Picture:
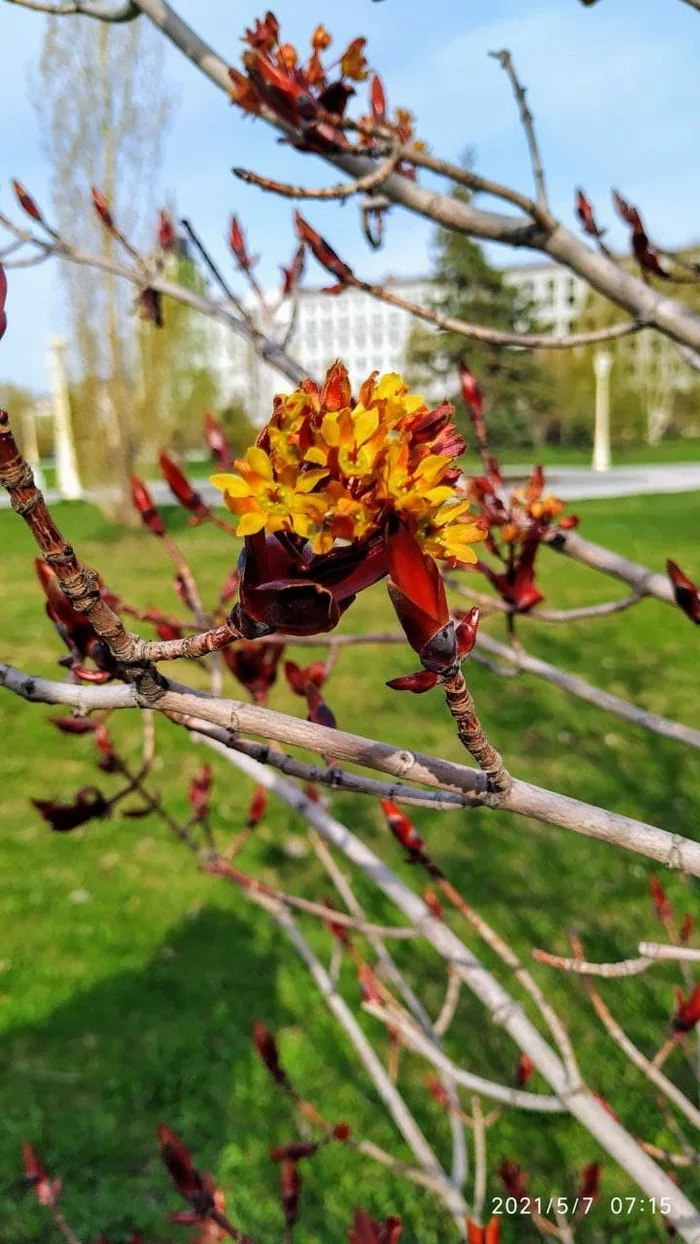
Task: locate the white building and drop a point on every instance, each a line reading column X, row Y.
column 368, row 334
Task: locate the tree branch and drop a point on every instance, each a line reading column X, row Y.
column 672, row 850
column 124, row 12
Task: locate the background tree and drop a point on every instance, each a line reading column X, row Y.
column 469, row 287
column 174, row 380
column 104, row 109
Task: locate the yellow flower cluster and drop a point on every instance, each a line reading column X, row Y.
column 328, row 469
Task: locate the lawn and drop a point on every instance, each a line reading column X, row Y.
column 129, row 981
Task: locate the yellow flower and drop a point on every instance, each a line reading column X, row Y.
column 327, row 470
column 263, row 499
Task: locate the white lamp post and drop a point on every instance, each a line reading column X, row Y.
column 602, row 363
column 67, row 477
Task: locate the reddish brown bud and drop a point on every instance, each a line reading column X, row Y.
column 437, row 1090
column 663, row 907
column 324, row 253
column 107, row 758
column 403, row 830
column 342, row 1131
column 686, row 593
column 584, row 211
column 257, row 807
column 182, row 489
column 687, row 1013
column 266, row 1046
column 422, row 680
column 166, row 231
column 73, row 725
column 101, row 206
column 199, row 791
column 26, row 201
column 589, row 1187
column 3, row 300
column 217, row 441
column 378, row 100
column 686, row 928
column 319, row 712
column 145, row 505
column 46, row 1190
column 524, row 1071
column 432, row 902
column 194, row 1187
column 294, row 1152
column 290, row 1191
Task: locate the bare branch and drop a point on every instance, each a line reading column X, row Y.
column 498, row 337
column 672, row 850
column 228, row 313
column 449, row 1005
column 625, row 967
column 345, row 190
column 644, row 303
column 505, row 60
column 645, row 581
column 677, row 954
column 523, row 661
column 504, row 1010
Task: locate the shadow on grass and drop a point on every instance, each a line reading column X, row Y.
column 88, row 1085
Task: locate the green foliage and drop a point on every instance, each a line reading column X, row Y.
column 518, row 391
column 130, row 980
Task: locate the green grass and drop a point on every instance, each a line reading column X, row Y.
column 130, row 981
column 685, row 449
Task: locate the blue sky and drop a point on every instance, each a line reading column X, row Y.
column 614, row 88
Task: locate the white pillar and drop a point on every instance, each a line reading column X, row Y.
column 602, row 363
column 30, row 447
column 67, row 477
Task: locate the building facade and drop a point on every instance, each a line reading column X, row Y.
column 369, row 335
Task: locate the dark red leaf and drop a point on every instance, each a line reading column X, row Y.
column 89, row 805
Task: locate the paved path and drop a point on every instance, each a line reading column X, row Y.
column 569, row 483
